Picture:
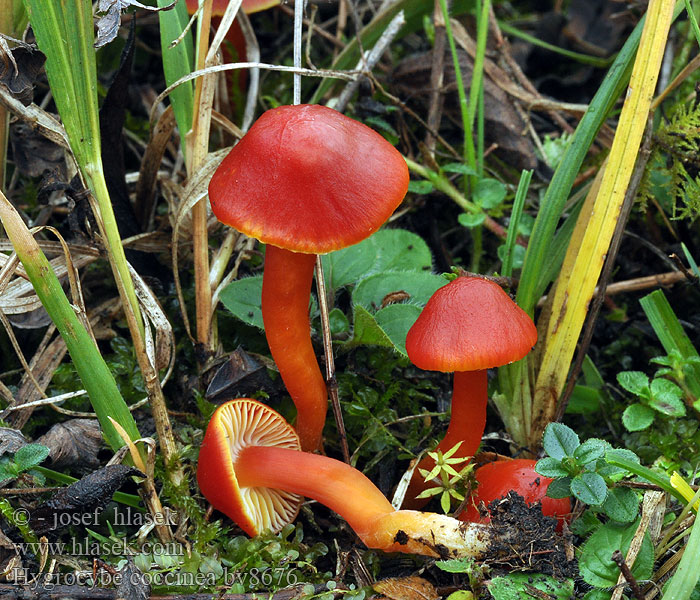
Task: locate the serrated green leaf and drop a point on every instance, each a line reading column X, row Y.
column 243, row 298
column 637, row 417
column 559, row 488
column 621, row 504
column 30, row 456
column 592, row 449
column 589, row 488
column 666, row 398
column 455, row 565
column 634, row 382
column 551, row 467
column 514, row 586
column 560, row 441
column 596, row 566
column 395, row 320
column 366, row 331
column 419, row 286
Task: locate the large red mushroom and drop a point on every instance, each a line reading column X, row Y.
column 468, row 326
column 249, row 468
column 305, row 180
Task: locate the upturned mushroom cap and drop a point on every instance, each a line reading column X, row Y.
column 469, row 325
column 233, row 427
column 309, row 179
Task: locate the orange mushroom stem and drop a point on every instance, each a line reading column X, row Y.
column 285, row 309
column 250, row 469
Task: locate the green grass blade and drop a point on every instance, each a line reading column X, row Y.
column 671, row 334
column 64, row 33
column 684, row 580
column 515, row 214
column 92, row 369
column 178, row 61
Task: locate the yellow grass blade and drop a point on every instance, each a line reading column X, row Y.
column 584, row 261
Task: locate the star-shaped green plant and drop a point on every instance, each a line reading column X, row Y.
column 449, row 482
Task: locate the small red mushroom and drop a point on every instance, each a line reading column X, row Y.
column 249, row 467
column 494, row 480
column 305, row 180
column 467, row 326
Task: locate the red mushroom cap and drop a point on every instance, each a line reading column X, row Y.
column 469, row 325
column 233, row 427
column 496, row 479
column 309, row 179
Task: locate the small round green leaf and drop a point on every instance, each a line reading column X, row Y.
column 560, row 441
column 420, row 187
column 489, row 193
column 592, row 449
column 470, row 220
column 635, row 382
column 666, row 398
column 621, row 504
column 589, row 488
column 551, row 467
column 560, row 488
column 30, row 456
column 637, row 417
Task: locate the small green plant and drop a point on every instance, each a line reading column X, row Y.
column 450, row 483
column 658, row 396
column 582, row 470
column 24, row 461
column 679, row 368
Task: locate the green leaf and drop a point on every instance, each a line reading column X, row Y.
column 395, row 320
column 589, row 488
column 401, row 250
column 420, row 187
column 371, row 291
column 551, row 467
column 666, row 398
column 591, row 450
column 455, row 565
column 560, row 441
column 243, row 298
column 388, row 249
column 366, row 330
column 489, row 193
column 585, row 400
column 621, row 504
column 559, row 488
column 634, row 382
column 338, row 322
column 461, row 168
column 30, row 456
column 517, row 586
column 470, row 220
column 595, row 564
column 637, row 417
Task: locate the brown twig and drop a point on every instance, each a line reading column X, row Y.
column 627, row 574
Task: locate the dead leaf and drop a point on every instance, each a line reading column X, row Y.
column 407, row 588
column 11, row 440
column 75, row 442
column 19, row 70
column 503, row 125
column 240, row 376
column 80, row 499
column 109, row 17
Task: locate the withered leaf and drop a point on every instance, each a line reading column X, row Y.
column 75, row 442
column 407, row 588
column 503, row 125
column 34, row 153
column 11, row 440
column 133, row 585
column 19, row 70
column 240, row 375
column 87, row 495
column 109, row 13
